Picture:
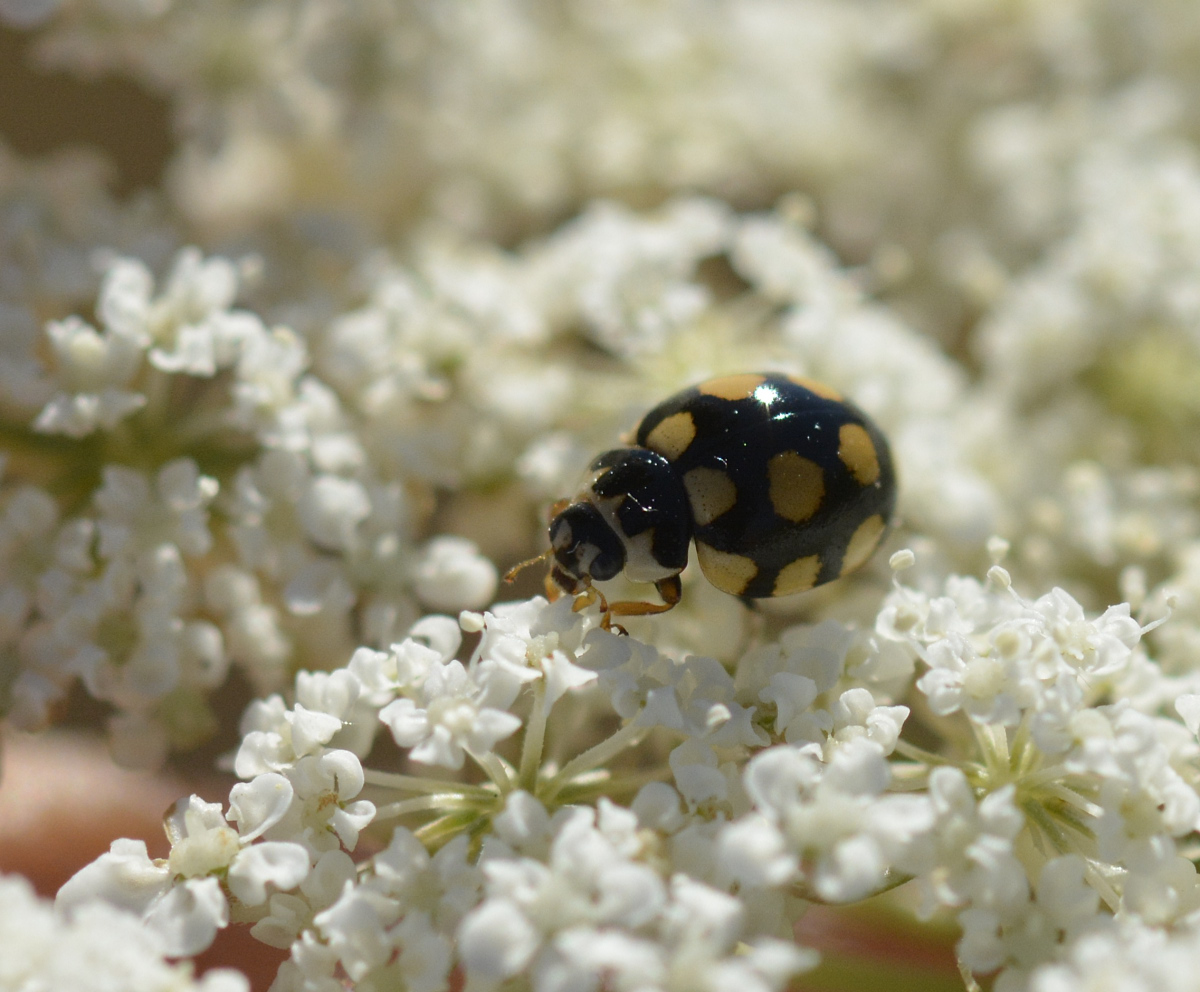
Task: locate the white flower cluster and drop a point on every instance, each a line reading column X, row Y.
column 568, row 898
column 99, row 946
column 572, row 901
column 260, row 496
column 789, row 780
column 1125, row 956
column 524, row 107
column 172, row 574
column 1090, row 785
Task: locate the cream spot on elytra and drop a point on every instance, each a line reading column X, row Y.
column 672, row 435
column 796, row 486
column 711, row 493
column 729, row 573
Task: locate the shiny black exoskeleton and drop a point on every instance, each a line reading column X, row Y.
column 782, row 484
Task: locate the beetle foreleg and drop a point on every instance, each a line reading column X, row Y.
column 669, row 588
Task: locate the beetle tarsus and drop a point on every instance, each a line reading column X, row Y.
column 670, row 589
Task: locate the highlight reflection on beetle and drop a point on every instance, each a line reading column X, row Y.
column 782, row 483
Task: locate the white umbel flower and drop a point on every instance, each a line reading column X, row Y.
column 451, row 720
column 93, row 945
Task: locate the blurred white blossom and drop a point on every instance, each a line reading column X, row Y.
column 96, row 945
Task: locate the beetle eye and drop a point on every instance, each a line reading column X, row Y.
column 604, row 565
column 585, row 546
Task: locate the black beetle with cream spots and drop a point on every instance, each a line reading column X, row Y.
column 782, row 484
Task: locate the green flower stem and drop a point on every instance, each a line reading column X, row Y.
column 1023, row 756
column 589, row 790
column 628, row 736
column 1099, row 881
column 983, row 741
column 1038, row 815
column 1070, row 817
column 446, row 801
column 499, row 771
column 1043, row 777
column 998, row 753
column 436, row 832
column 1073, row 798
column 535, row 739
column 920, row 755
column 414, row 783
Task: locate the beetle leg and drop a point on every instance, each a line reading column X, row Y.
column 669, row 588
column 587, row 598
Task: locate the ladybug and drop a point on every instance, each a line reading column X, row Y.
column 782, row 483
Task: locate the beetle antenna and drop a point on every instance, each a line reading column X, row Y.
column 511, row 574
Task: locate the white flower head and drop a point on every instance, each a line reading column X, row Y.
column 447, row 718
column 452, row 575
column 95, row 944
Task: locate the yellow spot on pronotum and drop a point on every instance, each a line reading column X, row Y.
column 729, row 573
column 732, row 387
column 796, row 486
column 711, row 492
column 822, row 390
column 672, row 435
column 857, row 452
column 799, row 576
column 862, row 543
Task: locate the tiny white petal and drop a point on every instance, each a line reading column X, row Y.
column 279, row 863
column 495, row 941
column 311, row 730
column 408, row 723
column 258, row 805
column 1188, row 707
column 752, row 852
column 124, row 877
column 189, row 916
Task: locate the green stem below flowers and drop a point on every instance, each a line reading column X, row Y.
column 1073, row 799
column 1098, row 881
column 1039, row 817
column 628, row 736
column 535, row 739
column 920, row 755
column 498, row 770
column 435, row 833
column 421, row 804
column 415, row 783
column 1023, row 756
column 589, row 789
column 1043, row 777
